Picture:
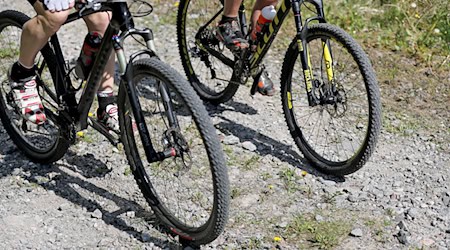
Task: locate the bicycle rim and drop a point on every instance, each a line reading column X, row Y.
column 338, row 138
column 38, row 141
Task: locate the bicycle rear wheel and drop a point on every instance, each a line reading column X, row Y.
column 41, row 143
column 207, row 63
column 189, row 192
column 336, row 138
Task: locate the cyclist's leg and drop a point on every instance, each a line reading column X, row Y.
column 35, row 35
column 98, row 22
column 107, row 111
column 231, row 8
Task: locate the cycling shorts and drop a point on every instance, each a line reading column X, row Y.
column 32, row 2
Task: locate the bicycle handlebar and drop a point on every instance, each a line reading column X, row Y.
column 87, row 7
column 90, row 4
column 94, row 4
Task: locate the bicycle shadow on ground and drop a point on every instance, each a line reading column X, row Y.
column 87, row 165
column 230, row 105
column 61, row 182
column 268, row 146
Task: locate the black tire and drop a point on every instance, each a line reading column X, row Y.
column 352, row 125
column 46, row 143
column 162, row 183
column 191, row 16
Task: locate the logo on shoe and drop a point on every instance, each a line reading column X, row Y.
column 112, row 110
column 30, row 84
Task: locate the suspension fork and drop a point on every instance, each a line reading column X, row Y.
column 304, row 53
column 327, row 54
column 167, row 102
column 126, row 71
column 326, row 48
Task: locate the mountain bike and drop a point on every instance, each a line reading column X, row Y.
column 329, row 90
column 169, row 140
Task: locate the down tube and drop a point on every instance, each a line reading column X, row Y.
column 270, row 34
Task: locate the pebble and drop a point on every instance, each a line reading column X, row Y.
column 230, row 140
column 357, row 232
column 403, row 237
column 146, row 237
column 130, row 214
column 319, row 218
column 249, row 146
column 327, row 182
column 97, row 214
column 413, row 213
column 428, row 242
column 403, row 226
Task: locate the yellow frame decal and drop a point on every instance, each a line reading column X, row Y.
column 328, row 61
column 289, row 100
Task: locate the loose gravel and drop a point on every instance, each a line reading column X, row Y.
column 399, row 200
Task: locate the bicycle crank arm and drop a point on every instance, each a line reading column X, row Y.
column 225, row 60
column 104, row 131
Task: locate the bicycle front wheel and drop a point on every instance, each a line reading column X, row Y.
column 207, row 63
column 41, row 143
column 336, row 137
column 189, row 192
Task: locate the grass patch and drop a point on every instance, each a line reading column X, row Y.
column 322, row 234
column 8, row 53
column 330, row 198
column 251, row 162
column 254, row 243
column 236, row 192
column 380, row 229
column 289, row 178
column 401, row 123
column 127, row 171
column 419, row 28
column 242, row 161
column 85, row 137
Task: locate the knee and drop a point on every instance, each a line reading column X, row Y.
column 51, row 22
column 98, row 22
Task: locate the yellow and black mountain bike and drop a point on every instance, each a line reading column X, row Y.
column 329, row 90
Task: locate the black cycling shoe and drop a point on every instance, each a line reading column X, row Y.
column 230, row 34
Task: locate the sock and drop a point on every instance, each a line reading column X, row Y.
column 227, row 19
column 104, row 99
column 20, row 72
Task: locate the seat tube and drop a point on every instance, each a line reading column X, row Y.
column 243, row 19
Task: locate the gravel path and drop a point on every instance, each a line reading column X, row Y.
column 399, row 200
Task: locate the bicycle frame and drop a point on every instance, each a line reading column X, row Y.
column 77, row 113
